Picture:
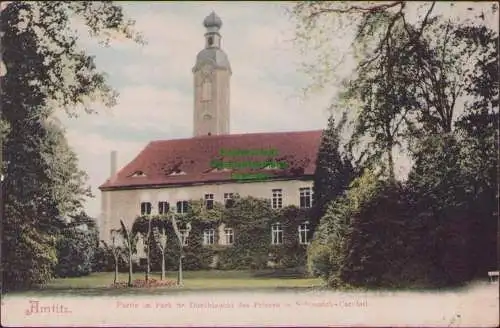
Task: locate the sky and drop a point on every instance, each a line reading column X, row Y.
column 155, row 81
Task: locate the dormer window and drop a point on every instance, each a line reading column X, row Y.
column 178, row 172
column 137, row 174
column 219, row 170
column 275, row 165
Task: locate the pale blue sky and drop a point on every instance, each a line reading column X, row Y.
column 155, row 80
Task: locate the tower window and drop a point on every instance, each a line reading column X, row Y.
column 210, row 41
column 206, row 91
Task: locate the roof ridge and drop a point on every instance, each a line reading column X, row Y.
column 237, row 135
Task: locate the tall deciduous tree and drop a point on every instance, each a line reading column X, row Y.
column 432, row 83
column 46, row 71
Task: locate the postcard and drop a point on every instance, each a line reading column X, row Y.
column 249, row 164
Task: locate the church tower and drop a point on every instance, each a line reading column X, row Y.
column 211, row 74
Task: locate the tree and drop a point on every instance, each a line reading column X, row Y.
column 383, row 90
column 327, row 251
column 46, row 70
column 441, row 203
column 129, row 239
column 374, row 248
column 329, row 248
column 352, row 22
column 160, row 235
column 76, row 246
column 181, row 236
column 333, row 171
column 421, row 66
column 114, row 250
column 76, row 249
column 148, row 253
column 149, row 227
column 419, row 81
column 479, row 127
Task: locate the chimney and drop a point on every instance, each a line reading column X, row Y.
column 113, row 163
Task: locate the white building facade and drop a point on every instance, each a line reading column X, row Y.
column 169, row 173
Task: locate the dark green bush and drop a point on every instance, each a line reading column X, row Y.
column 76, row 249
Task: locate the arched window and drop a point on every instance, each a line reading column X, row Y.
column 206, row 91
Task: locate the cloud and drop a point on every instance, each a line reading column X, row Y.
column 94, row 157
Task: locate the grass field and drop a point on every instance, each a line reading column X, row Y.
column 99, row 283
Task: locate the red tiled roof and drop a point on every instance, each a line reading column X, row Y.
column 193, row 156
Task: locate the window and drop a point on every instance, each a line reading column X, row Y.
column 228, row 199
column 276, row 234
column 229, row 236
column 305, row 197
column 115, row 237
column 145, row 208
column 303, row 233
column 210, row 41
column 184, row 235
column 182, row 206
column 277, row 199
column 178, row 172
column 206, row 90
column 163, row 207
column 209, row 201
column 209, row 237
column 138, row 174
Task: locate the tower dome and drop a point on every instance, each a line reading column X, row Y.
column 212, row 21
column 212, row 54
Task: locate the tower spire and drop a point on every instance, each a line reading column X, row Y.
column 211, row 73
column 212, row 23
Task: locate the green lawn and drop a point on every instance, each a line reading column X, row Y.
column 99, row 283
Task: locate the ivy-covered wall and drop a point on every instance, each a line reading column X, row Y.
column 251, row 220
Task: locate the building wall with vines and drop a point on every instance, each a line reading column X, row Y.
column 251, row 220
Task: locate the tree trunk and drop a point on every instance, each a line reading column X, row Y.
column 148, row 265
column 179, row 275
column 390, row 159
column 130, row 268
column 162, row 265
column 116, row 270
